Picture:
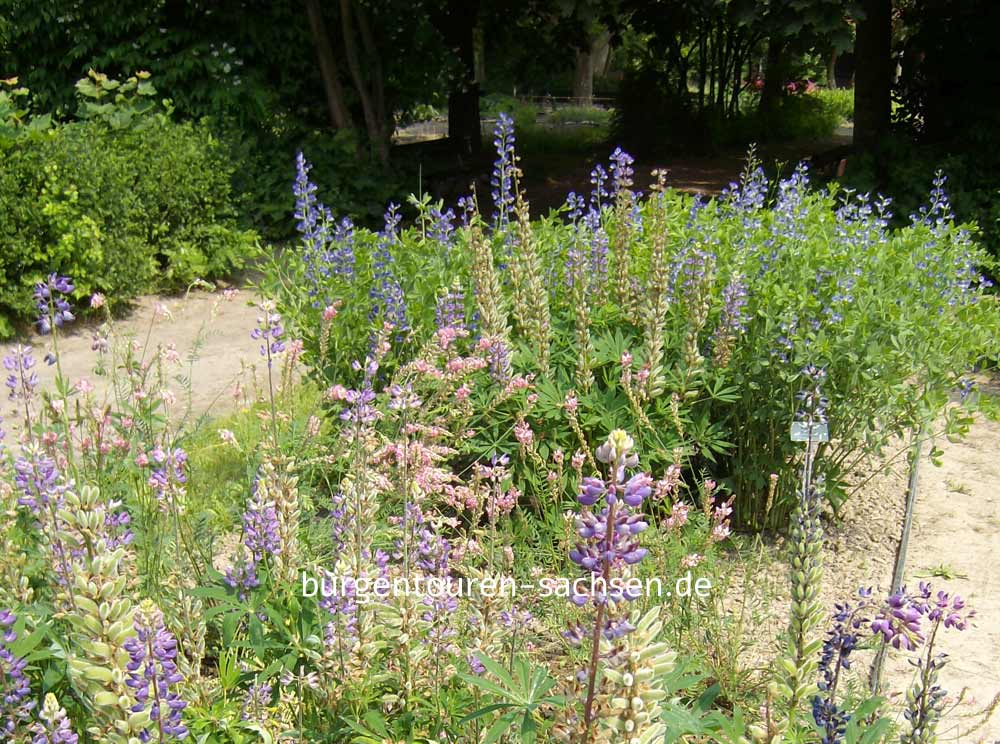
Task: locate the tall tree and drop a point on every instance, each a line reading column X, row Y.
column 340, row 117
column 873, row 76
column 456, row 21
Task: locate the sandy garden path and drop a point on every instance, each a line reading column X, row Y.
column 210, row 331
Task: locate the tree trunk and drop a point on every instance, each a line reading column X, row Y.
column 479, row 50
column 831, row 71
column 375, row 127
column 583, row 77
column 873, row 76
column 340, row 118
column 377, row 78
column 600, row 50
column 457, row 20
column 774, row 77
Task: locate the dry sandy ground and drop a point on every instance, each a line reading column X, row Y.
column 211, row 332
column 956, row 530
column 954, row 543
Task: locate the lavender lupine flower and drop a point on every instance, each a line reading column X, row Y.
column 576, row 204
column 598, row 242
column 53, row 726
column 600, row 193
column 22, row 380
column 467, row 206
column 39, row 481
column 53, row 309
column 610, row 535
column 732, row 320
column 16, row 703
column 849, row 623
column 504, row 172
column 117, row 531
column 621, row 172
column 862, row 222
column 498, row 355
column 343, row 608
column 432, row 552
column 966, row 387
column 449, row 311
column 269, row 332
column 309, row 222
column 938, row 211
column 788, row 224
column 386, row 292
column 242, row 577
column 360, row 408
column 442, row 229
column 477, row 666
column 625, row 198
column 813, row 403
column 340, row 259
column 153, row 675
column 324, row 254
column 168, row 477
column 261, row 531
column 256, row 699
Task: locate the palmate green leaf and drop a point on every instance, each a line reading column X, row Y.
column 500, row 673
column 486, row 685
column 498, row 729
column 485, row 711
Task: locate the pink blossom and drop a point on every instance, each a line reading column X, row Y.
column 336, row 392
column 571, row 403
column 720, row 532
column 96, row 301
column 228, row 437
column 84, row 386
column 142, row 460
column 692, row 560
column 577, row 460
column 523, row 433
column 463, row 393
column 678, row 516
column 330, row 311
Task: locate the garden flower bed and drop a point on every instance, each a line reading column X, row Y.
column 592, row 410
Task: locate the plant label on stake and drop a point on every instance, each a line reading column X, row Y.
column 806, row 432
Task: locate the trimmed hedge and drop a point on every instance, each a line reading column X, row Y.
column 122, row 211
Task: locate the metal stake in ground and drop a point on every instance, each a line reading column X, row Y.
column 875, row 679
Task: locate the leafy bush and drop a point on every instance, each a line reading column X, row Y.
column 721, row 305
column 580, row 114
column 900, row 167
column 839, row 100
column 144, row 203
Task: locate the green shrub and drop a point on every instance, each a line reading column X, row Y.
column 581, row 115
column 838, row 100
column 897, row 317
column 121, row 210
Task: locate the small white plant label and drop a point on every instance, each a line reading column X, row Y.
column 803, row 432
